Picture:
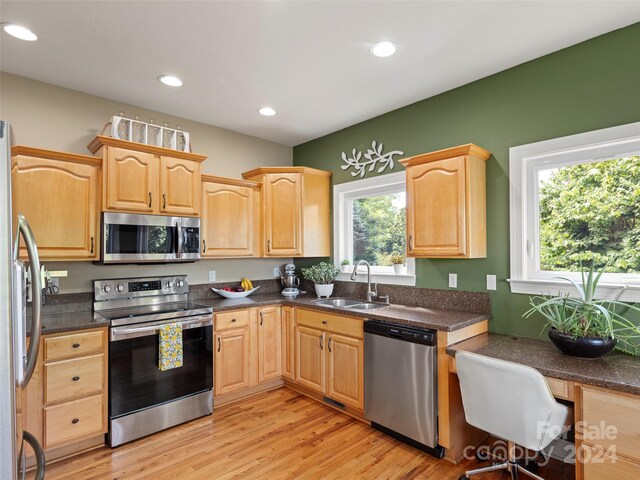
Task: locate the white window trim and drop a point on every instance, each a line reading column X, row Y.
column 525, row 163
column 343, row 196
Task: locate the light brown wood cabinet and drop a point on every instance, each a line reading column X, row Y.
column 446, row 203
column 230, row 218
column 147, row 179
column 295, row 210
column 329, row 353
column 57, row 193
column 269, row 343
column 607, row 440
column 288, row 342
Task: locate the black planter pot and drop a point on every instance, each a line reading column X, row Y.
column 585, row 347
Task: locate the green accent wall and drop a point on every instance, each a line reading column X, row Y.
column 589, row 86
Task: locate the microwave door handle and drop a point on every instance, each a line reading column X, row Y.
column 179, row 227
column 36, row 305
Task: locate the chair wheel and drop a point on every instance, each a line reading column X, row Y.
column 482, row 454
column 463, row 477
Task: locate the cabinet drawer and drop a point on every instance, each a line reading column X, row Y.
column 598, row 465
column 73, row 345
column 326, row 321
column 560, row 388
column 234, row 319
column 615, row 410
column 75, row 420
column 68, row 379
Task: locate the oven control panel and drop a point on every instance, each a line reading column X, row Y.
column 139, row 287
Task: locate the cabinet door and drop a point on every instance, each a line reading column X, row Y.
column 60, row 201
column 345, row 372
column 131, row 181
column 228, row 224
column 180, row 186
column 436, row 208
column 283, row 214
column 310, row 358
column 269, row 343
column 288, row 342
column 231, row 361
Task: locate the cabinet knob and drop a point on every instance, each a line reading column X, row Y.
column 324, row 322
column 75, row 420
column 76, row 345
column 233, row 320
column 75, row 379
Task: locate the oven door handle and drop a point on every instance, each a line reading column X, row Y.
column 123, row 333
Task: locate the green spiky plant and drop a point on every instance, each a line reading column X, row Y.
column 586, row 316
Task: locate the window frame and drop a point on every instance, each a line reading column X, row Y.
column 343, row 196
column 525, row 163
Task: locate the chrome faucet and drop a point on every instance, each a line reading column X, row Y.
column 370, row 293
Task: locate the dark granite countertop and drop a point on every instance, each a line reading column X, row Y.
column 419, row 317
column 615, row 371
column 68, row 321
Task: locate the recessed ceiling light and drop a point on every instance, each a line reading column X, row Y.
column 267, row 111
column 170, row 80
column 383, row 49
column 18, row 31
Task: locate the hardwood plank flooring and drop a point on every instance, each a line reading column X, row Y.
column 275, row 435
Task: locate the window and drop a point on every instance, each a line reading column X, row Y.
column 369, row 223
column 575, row 199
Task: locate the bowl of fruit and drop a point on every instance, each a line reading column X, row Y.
column 245, row 289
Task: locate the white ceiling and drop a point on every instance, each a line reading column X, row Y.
column 309, row 60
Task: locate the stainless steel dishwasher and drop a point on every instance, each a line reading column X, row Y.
column 400, row 384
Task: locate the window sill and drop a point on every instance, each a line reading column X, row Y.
column 605, row 291
column 381, row 278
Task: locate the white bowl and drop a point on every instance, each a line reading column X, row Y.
column 226, row 294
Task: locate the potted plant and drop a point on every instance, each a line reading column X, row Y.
column 346, row 265
column 398, row 261
column 584, row 326
column 323, row 275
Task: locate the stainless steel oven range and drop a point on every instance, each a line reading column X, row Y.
column 142, row 398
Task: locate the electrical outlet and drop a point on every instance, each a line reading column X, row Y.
column 276, row 272
column 453, row 280
column 212, row 275
column 491, row 282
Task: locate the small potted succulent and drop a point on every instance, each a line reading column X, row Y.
column 584, row 326
column 398, row 261
column 323, row 275
column 346, row 265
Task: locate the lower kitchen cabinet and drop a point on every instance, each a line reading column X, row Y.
column 329, row 353
column 248, row 351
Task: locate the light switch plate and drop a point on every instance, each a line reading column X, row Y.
column 491, row 282
column 212, row 275
column 453, row 280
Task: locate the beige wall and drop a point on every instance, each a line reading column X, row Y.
column 46, row 116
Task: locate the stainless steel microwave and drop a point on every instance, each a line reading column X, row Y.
column 133, row 238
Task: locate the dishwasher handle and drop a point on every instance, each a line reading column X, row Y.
column 401, row 333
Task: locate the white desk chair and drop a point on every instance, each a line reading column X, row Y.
column 512, row 402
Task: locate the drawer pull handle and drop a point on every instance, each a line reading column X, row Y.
column 76, row 345
column 75, row 420
column 75, row 379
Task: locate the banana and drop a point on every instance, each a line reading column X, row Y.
column 246, row 284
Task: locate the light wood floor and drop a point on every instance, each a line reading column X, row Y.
column 276, row 435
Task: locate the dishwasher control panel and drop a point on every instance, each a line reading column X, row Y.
column 399, row 332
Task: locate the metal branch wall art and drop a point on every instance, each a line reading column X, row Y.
column 373, row 158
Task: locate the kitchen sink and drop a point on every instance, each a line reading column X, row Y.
column 366, row 306
column 338, row 302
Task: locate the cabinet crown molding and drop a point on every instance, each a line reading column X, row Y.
column 54, row 155
column 230, row 181
column 461, row 150
column 265, row 170
column 102, row 140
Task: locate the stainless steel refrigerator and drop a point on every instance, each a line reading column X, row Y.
column 17, row 362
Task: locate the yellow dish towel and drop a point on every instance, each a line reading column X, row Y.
column 170, row 351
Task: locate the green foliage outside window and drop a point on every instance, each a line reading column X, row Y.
column 379, row 225
column 592, row 212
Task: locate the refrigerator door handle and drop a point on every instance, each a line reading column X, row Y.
column 36, row 305
column 39, row 454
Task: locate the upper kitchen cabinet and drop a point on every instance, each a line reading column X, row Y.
column 446, row 203
column 147, row 179
column 230, row 217
column 295, row 210
column 57, row 192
